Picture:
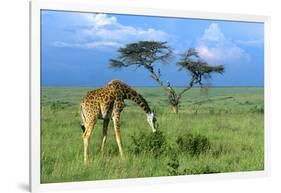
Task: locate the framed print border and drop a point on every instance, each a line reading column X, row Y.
column 35, row 47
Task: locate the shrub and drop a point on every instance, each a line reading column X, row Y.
column 204, row 169
column 138, row 143
column 155, row 143
column 59, row 105
column 173, row 166
column 193, row 144
column 257, row 109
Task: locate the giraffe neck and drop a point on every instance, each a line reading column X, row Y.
column 138, row 99
column 128, row 93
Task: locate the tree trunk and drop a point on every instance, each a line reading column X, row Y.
column 175, row 108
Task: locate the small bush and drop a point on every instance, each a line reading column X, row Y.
column 138, row 143
column 257, row 109
column 194, row 145
column 155, row 143
column 59, row 105
column 205, row 169
column 173, row 166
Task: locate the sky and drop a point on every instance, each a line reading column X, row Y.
column 76, row 48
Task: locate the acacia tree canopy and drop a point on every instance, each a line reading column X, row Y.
column 197, row 68
column 142, row 53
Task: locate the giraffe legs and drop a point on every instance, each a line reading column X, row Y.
column 86, row 135
column 117, row 109
column 116, row 122
column 104, row 134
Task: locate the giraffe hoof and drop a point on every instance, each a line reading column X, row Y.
column 86, row 162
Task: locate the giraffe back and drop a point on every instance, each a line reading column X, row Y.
column 100, row 101
column 126, row 92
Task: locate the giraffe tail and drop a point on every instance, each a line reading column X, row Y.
column 83, row 118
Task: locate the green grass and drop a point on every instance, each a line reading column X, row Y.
column 229, row 120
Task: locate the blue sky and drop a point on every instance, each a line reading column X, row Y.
column 76, row 48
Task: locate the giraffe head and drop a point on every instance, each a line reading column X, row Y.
column 151, row 119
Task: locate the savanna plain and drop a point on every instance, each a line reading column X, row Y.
column 216, row 130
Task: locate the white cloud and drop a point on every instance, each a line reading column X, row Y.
column 101, row 31
column 250, row 43
column 206, row 53
column 96, row 44
column 214, row 47
column 99, row 20
column 213, row 33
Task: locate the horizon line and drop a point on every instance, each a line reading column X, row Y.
column 215, row 86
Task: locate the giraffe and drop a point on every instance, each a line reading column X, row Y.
column 107, row 103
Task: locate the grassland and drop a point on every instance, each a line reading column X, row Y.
column 224, row 126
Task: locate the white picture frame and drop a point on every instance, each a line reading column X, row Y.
column 36, row 6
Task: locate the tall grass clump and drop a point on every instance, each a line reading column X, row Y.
column 173, row 166
column 193, row 144
column 257, row 109
column 155, row 143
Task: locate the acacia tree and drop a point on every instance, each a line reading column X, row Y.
column 198, row 70
column 147, row 53
column 144, row 54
